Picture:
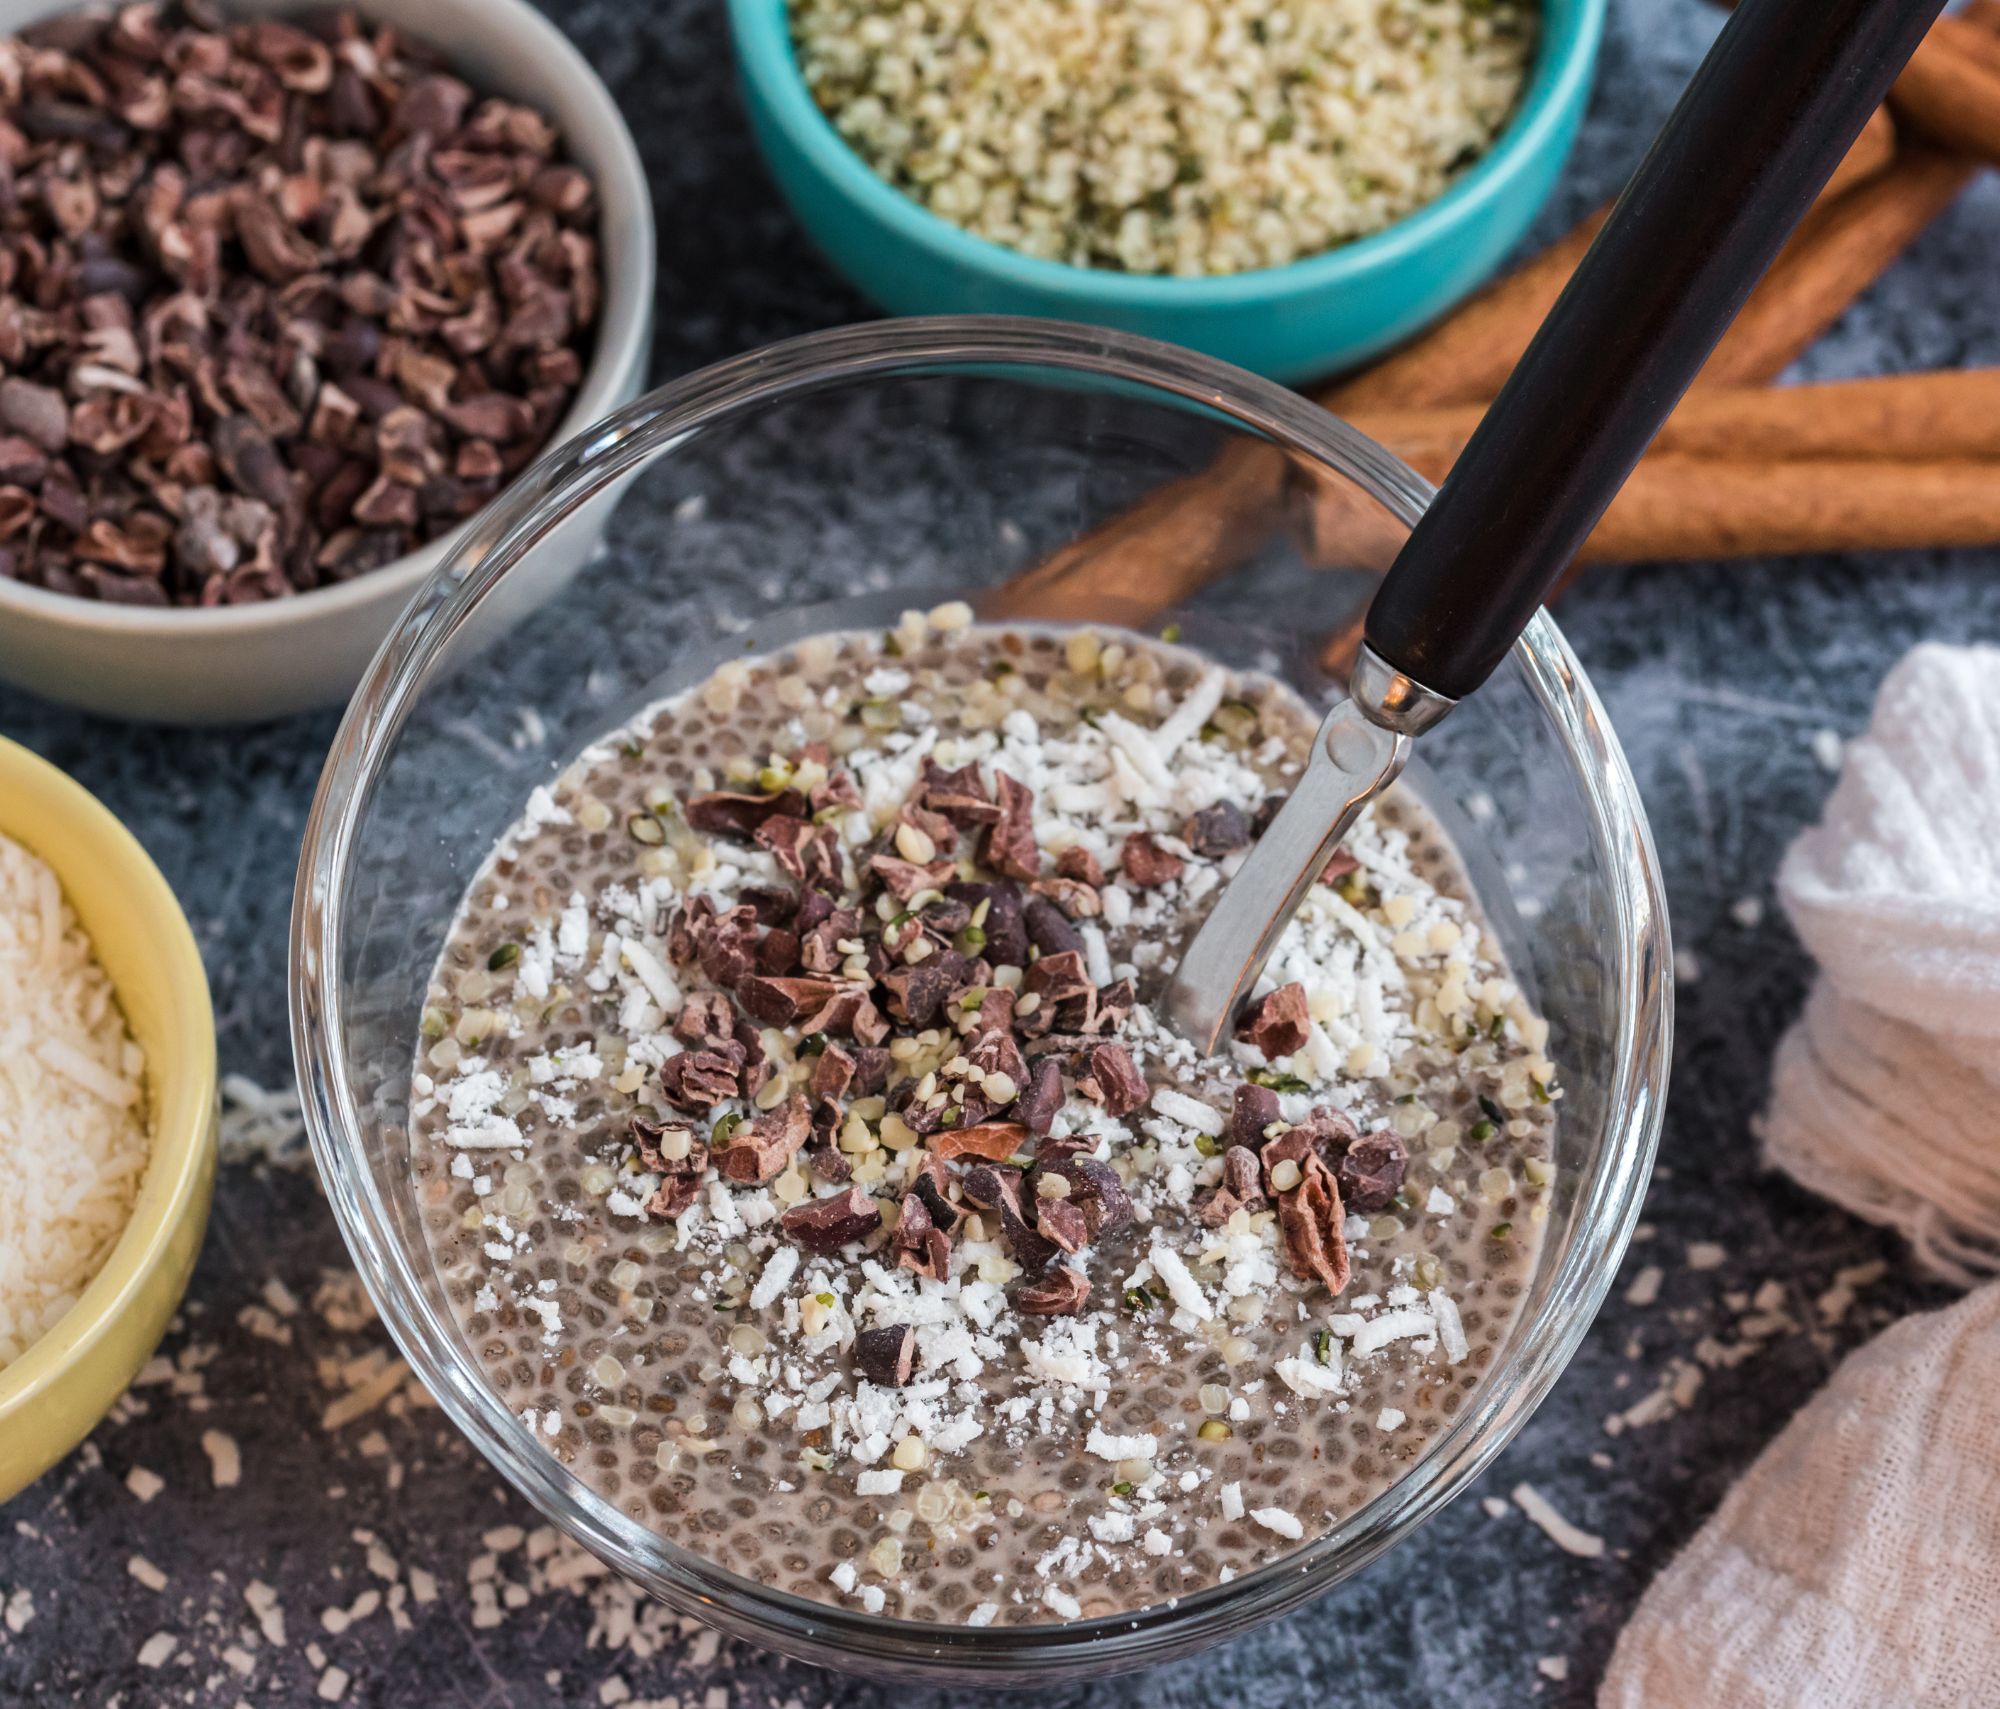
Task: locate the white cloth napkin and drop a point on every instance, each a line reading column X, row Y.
column 1885, row 1094
column 1857, row 1563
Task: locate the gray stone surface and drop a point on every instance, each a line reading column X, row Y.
column 1718, row 678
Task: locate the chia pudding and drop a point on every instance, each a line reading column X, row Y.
column 802, row 1154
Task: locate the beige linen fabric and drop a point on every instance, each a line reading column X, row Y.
column 1857, row 1563
column 1885, row 1094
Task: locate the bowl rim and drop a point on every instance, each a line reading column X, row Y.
column 1636, row 963
column 183, row 1087
column 631, row 275
column 1558, row 81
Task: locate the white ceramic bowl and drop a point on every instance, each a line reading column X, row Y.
column 237, row 663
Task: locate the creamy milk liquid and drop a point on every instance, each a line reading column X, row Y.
column 1172, row 1451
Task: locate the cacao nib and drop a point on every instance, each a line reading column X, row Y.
column 1075, row 899
column 959, row 796
column 1332, row 1132
column 917, row 994
column 1010, row 841
column 1146, row 864
column 700, row 1079
column 778, row 1002
column 1338, row 867
column 929, row 1186
column 771, row 907
column 726, row 946
column 680, row 1182
column 996, row 1187
column 1114, row 1080
column 871, row 1070
column 706, row 1018
column 1004, row 925
column 1078, row 864
column 826, row 1225
column 994, row 1140
column 840, row 790
column 920, row 1245
column 1311, row 1218
column 779, row 952
column 804, row 851
column 1049, row 929
column 1037, row 1106
column 1277, row 1024
column 1255, row 1109
column 827, row 1161
column 1371, row 1172
column 832, row 1073
column 904, row 878
column 1217, row 831
column 1241, row 1187
column 759, row 1149
column 1057, row 976
column 1060, row 1291
column 1095, row 1189
column 886, row 1355
column 1062, row 1224
column 821, row 937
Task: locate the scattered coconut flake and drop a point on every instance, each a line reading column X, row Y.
column 1179, row 1280
column 1280, row 1521
column 225, row 1462
column 1645, row 1288
column 1142, row 1446
column 1561, row 1532
column 778, row 1271
column 1189, row 1112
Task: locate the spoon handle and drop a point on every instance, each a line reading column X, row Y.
column 1768, row 115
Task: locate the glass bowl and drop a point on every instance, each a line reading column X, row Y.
column 838, row 479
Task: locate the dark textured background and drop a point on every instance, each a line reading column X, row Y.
column 1718, row 679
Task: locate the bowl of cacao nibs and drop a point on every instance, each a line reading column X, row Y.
column 287, row 294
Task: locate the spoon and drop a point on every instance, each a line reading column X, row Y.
column 1767, row 117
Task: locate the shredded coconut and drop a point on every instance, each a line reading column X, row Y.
column 73, row 1125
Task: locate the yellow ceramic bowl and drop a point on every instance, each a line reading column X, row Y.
column 55, row 1392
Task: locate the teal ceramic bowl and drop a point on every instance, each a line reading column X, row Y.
column 1291, row 323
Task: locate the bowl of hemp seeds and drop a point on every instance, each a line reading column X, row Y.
column 1290, row 185
column 287, row 293
column 750, row 1107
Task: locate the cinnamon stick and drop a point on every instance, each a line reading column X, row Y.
column 1935, row 417
column 1950, row 90
column 1682, row 507
column 1840, row 250
column 1467, row 357
column 1711, row 507
column 1173, row 542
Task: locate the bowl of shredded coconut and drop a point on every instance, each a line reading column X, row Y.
column 107, row 1111
column 1291, row 185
